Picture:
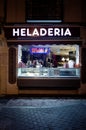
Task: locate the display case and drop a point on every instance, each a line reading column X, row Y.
column 49, row 72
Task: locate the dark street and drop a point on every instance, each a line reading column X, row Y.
column 43, row 114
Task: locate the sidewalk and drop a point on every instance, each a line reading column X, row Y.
column 43, row 114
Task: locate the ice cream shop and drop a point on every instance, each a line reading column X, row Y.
column 44, row 59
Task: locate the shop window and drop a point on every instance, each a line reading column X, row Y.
column 48, row 61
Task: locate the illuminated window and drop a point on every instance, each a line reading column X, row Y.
column 48, row 61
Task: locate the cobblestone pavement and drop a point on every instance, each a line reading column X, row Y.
column 38, row 114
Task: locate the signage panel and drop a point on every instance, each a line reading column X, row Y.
column 39, row 32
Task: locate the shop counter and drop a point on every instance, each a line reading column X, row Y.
column 48, row 78
column 48, row 72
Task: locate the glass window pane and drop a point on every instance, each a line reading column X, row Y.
column 48, row 61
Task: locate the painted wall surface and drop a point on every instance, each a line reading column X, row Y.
column 73, row 10
column 15, row 11
column 2, row 13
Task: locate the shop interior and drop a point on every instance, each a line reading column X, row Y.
column 48, row 61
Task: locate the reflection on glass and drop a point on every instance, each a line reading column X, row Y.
column 48, row 72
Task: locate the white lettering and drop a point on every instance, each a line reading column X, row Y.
column 56, row 32
column 35, row 32
column 43, row 32
column 67, row 32
column 62, row 32
column 28, row 32
column 23, row 32
column 50, row 32
column 15, row 32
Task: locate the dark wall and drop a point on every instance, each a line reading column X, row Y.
column 74, row 11
column 14, row 11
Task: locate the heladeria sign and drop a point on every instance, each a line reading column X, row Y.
column 33, row 32
column 27, row 32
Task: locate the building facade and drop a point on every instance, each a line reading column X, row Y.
column 42, row 42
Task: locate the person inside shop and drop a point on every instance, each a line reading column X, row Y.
column 29, row 63
column 65, row 65
column 71, row 62
column 55, row 63
column 49, row 62
column 21, row 64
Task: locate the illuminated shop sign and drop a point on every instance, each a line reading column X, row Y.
column 18, row 33
column 41, row 32
column 41, row 50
